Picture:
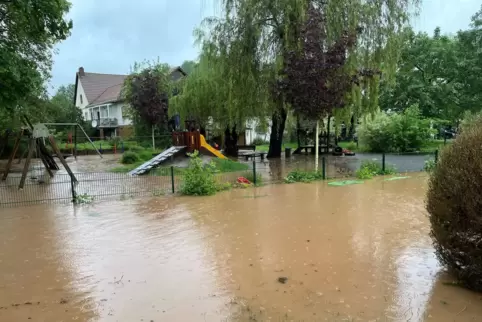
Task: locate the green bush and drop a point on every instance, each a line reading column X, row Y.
column 429, row 165
column 369, row 169
column 136, row 148
column 259, row 141
column 303, row 176
column 455, row 206
column 130, row 157
column 405, row 132
column 198, row 179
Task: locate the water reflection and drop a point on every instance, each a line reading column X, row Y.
column 359, row 252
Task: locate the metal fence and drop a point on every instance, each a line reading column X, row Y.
column 40, row 188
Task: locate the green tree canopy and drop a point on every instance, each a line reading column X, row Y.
column 249, row 41
column 28, row 32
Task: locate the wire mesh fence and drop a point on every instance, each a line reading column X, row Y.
column 88, row 186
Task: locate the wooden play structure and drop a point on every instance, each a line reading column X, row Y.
column 38, row 136
column 182, row 142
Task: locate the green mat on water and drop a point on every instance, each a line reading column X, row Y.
column 345, row 182
column 395, row 178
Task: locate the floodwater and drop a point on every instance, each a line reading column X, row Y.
column 301, row 252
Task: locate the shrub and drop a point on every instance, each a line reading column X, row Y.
column 259, row 141
column 130, row 157
column 198, row 179
column 455, row 206
column 406, row 132
column 429, row 165
column 136, row 148
column 369, row 169
column 303, row 176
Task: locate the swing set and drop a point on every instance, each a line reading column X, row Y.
column 38, row 135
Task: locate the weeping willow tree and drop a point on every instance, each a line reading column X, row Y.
column 250, row 38
column 207, row 97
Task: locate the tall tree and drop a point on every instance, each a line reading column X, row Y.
column 188, row 66
column 253, row 35
column 146, row 91
column 428, row 76
column 28, row 32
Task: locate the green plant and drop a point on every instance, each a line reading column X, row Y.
column 83, row 199
column 198, row 179
column 369, row 168
column 227, row 165
column 454, row 206
column 136, row 148
column 303, row 176
column 259, row 141
column 250, row 176
column 130, row 157
column 429, row 165
column 404, row 132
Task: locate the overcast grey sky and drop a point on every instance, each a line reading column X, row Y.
column 110, row 35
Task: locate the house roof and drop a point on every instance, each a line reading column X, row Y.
column 106, row 88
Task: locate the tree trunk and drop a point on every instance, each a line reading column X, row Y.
column 153, row 140
column 317, row 144
column 277, row 130
column 298, row 130
column 328, row 134
column 231, row 142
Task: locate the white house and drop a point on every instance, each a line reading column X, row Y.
column 99, row 98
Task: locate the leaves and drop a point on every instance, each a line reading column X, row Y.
column 146, row 91
column 28, row 32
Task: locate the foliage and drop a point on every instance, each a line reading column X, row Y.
column 199, row 180
column 244, row 54
column 404, row 132
column 369, row 169
column 454, row 204
column 303, row 176
column 259, row 141
column 188, row 66
column 146, row 91
column 440, row 73
column 429, row 165
column 227, row 165
column 129, row 157
column 315, row 79
column 29, row 31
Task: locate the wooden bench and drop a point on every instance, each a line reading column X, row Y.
column 248, row 156
column 247, row 147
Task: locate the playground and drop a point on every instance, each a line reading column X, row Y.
column 279, row 252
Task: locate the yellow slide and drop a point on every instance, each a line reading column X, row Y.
column 208, row 147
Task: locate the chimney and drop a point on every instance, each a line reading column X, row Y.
column 81, row 71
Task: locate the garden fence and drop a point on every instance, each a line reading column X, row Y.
column 88, row 186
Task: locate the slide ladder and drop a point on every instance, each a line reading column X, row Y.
column 158, row 159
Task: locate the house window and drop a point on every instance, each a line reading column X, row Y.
column 81, row 99
column 86, row 116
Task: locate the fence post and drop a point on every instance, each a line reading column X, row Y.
column 383, row 162
column 172, row 179
column 72, row 189
column 436, row 156
column 323, row 168
column 254, row 171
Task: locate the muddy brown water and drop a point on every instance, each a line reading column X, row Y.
column 351, row 253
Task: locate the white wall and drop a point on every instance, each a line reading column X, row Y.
column 80, row 92
column 251, row 134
